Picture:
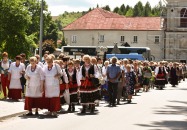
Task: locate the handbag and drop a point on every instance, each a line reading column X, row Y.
column 67, row 96
column 102, row 81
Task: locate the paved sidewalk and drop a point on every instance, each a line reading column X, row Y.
column 9, row 108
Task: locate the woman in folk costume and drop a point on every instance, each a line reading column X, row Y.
column 174, row 75
column 88, row 91
column 138, row 72
column 34, row 87
column 160, row 74
column 147, row 74
column 4, row 67
column 63, row 84
column 97, row 77
column 52, row 73
column 15, row 73
column 73, row 78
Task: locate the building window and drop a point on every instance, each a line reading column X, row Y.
column 74, row 39
column 157, row 39
column 183, row 18
column 122, row 39
column 101, row 38
column 135, row 39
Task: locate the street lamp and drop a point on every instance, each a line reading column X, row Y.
column 41, row 31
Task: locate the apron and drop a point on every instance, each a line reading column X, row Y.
column 52, row 88
column 15, row 82
column 33, row 85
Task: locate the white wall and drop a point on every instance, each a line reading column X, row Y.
column 90, row 38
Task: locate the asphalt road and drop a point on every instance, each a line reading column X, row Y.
column 155, row 110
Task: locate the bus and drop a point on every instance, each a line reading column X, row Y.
column 91, row 50
column 132, row 56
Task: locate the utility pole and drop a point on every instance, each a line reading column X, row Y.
column 41, row 31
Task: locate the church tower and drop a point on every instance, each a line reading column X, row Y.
column 175, row 26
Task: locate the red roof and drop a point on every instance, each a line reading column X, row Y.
column 99, row 19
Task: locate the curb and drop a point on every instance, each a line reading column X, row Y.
column 12, row 115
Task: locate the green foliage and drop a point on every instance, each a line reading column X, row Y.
column 122, row 9
column 106, row 8
column 129, row 12
column 14, row 20
column 67, row 18
column 116, row 10
column 48, row 45
column 19, row 26
column 138, row 9
column 147, row 10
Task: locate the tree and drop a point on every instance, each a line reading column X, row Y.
column 106, row 8
column 129, row 12
column 97, row 5
column 116, row 10
column 126, row 9
column 33, row 6
column 122, row 9
column 138, row 9
column 14, row 20
column 51, row 32
column 147, row 10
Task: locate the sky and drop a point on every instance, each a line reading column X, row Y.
column 57, row 7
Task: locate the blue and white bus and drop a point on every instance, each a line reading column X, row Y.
column 132, row 56
column 91, row 50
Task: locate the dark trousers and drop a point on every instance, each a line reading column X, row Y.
column 112, row 90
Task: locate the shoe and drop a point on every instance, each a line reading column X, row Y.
column 36, row 113
column 54, row 114
column 69, row 108
column 73, row 107
column 29, row 114
column 92, row 109
column 113, row 105
column 83, row 110
column 89, row 107
column 48, row 113
column 129, row 101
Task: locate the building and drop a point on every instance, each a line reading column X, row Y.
column 104, row 28
column 175, row 28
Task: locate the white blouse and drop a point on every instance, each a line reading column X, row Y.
column 16, row 71
column 5, row 66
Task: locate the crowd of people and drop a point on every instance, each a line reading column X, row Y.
column 57, row 81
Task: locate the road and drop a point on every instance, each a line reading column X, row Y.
column 154, row 110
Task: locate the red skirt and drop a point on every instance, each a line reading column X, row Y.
column 62, row 89
column 14, row 94
column 53, row 104
column 33, row 103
